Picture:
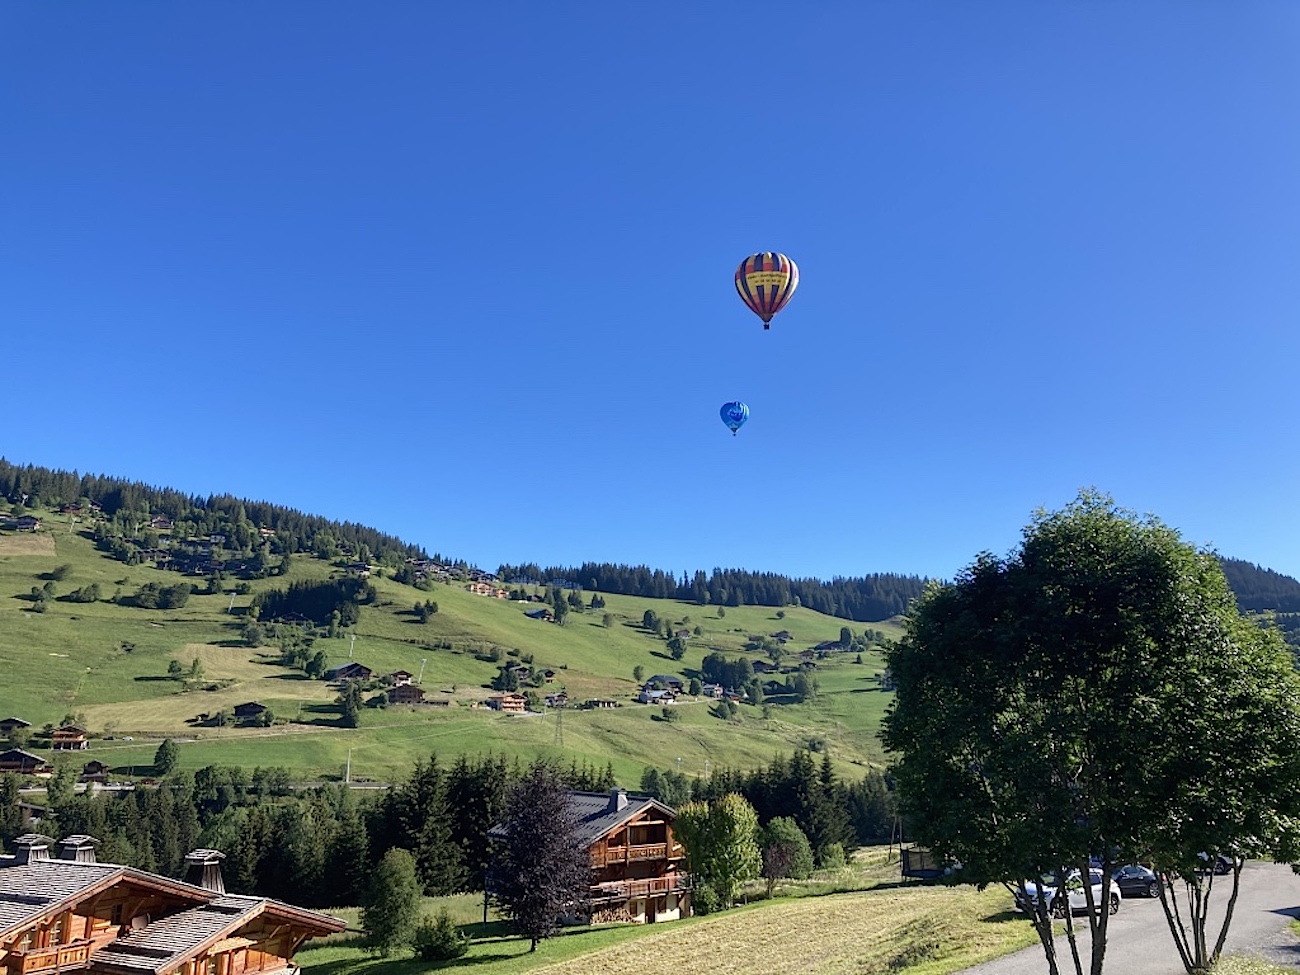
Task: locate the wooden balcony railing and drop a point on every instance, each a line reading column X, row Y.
column 72, row 955
column 629, row 854
column 627, row 889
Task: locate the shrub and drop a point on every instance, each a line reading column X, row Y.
column 438, row 939
column 705, row 900
column 831, row 857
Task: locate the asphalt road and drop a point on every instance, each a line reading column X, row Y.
column 1138, row 941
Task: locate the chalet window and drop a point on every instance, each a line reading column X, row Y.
column 116, row 915
column 56, row 931
column 25, row 941
column 213, row 964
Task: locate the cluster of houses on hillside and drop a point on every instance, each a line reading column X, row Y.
column 399, row 686
column 431, row 570
column 21, row 523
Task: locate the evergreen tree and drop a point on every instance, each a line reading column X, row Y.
column 391, row 909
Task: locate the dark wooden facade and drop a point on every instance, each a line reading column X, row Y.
column 637, row 869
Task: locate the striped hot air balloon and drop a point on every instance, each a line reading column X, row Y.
column 766, row 282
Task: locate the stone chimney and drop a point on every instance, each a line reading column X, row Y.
column 203, row 869
column 78, row 847
column 31, row 848
column 617, row 800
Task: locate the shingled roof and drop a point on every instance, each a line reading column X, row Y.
column 29, row 891
column 167, row 942
column 597, row 813
column 45, row 887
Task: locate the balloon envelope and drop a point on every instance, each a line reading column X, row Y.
column 734, row 415
column 766, row 282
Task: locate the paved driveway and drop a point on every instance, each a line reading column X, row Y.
column 1138, row 941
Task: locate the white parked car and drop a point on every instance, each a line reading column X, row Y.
column 1077, row 899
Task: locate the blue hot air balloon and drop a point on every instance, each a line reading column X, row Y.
column 734, row 415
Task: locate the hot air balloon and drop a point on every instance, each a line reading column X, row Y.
column 766, row 283
column 734, row 415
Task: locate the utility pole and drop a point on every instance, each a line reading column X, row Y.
column 352, row 645
column 423, row 661
column 231, row 608
column 347, row 773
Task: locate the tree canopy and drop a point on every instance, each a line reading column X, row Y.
column 392, row 906
column 721, row 840
column 1095, row 693
column 543, row 867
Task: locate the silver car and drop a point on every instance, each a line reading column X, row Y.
column 1076, row 898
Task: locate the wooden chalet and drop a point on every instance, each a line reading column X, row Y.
column 405, row 694
column 399, row 677
column 68, row 913
column 9, row 725
column 22, row 762
column 94, row 772
column 70, row 738
column 352, row 671
column 637, row 864
column 250, row 711
column 509, row 701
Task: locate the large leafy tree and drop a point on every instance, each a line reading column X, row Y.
column 1096, row 693
column 786, row 852
column 721, row 840
column 543, row 868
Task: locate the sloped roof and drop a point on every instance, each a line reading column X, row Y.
column 597, row 813
column 17, row 754
column 30, row 891
column 167, row 942
column 170, row 939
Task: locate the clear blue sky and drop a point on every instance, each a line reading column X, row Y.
column 463, row 272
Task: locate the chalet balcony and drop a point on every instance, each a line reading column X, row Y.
column 619, row 890
column 74, row 954
column 634, row 854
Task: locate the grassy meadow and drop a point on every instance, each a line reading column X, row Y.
column 108, row 663
column 880, row 925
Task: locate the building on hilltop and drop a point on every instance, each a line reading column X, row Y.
column 70, row 914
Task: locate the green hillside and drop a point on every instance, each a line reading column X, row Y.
column 108, row 663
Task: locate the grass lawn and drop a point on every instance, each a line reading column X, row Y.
column 925, row 930
column 880, row 925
